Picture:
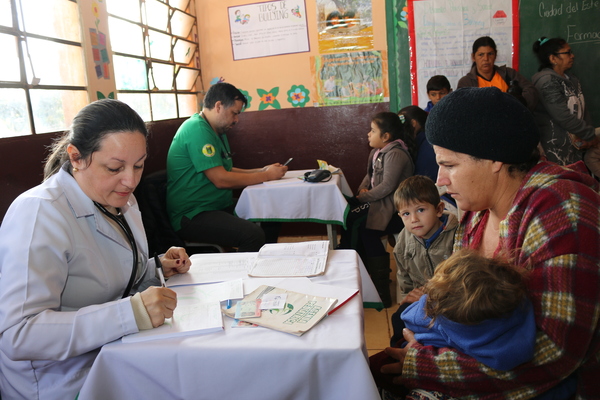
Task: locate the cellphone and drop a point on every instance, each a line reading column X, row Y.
column 288, row 161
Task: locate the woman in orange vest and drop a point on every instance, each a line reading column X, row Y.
column 484, row 73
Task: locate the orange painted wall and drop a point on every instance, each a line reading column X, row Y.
column 282, row 71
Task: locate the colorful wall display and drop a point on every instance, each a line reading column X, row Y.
column 294, row 74
column 344, row 25
column 350, row 78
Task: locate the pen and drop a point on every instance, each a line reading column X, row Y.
column 288, row 161
column 159, row 270
column 228, row 303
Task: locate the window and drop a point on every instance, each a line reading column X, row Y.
column 155, row 56
column 42, row 73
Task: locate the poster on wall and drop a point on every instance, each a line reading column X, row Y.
column 442, row 32
column 344, row 25
column 268, row 29
column 350, row 78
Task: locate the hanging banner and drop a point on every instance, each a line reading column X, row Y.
column 344, row 25
column 442, row 32
column 268, row 29
column 351, row 78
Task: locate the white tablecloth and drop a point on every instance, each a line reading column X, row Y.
column 328, row 362
column 292, row 199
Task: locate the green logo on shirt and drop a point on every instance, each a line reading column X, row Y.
column 208, row 150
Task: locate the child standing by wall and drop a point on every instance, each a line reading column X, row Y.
column 373, row 214
column 425, row 241
column 414, row 119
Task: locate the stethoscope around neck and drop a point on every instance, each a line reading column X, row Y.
column 125, row 227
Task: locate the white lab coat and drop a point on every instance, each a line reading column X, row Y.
column 63, row 270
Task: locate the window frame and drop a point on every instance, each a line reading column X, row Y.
column 21, row 37
column 149, row 60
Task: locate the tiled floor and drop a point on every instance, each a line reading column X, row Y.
column 378, row 329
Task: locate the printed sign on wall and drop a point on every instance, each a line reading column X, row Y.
column 268, row 29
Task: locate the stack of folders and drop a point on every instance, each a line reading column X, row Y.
column 290, row 259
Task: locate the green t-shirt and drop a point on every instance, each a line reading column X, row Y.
column 194, row 149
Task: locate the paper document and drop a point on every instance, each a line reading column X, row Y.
column 207, row 293
column 188, row 319
column 300, row 314
column 291, row 259
column 207, row 268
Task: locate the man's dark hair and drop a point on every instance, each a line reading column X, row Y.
column 226, row 93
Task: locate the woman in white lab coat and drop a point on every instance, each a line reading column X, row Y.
column 74, row 267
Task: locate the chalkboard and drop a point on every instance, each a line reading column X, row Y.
column 576, row 21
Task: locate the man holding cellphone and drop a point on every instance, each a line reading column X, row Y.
column 201, row 176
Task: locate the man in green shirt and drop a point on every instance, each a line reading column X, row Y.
column 201, row 175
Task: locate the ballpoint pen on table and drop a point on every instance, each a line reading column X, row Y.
column 228, row 303
column 159, row 270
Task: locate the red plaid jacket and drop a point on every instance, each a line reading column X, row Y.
column 553, row 229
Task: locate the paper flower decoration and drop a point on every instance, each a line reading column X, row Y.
column 268, row 98
column 298, row 96
column 248, row 98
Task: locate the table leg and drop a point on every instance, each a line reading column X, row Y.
column 332, row 236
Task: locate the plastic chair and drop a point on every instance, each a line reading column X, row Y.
column 151, row 195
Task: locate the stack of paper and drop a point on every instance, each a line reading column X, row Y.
column 291, row 259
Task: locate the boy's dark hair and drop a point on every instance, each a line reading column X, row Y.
column 469, row 288
column 438, row 82
column 224, row 92
column 416, row 188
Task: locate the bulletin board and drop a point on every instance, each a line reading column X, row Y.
column 442, row 32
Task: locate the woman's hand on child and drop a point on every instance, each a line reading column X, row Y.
column 399, row 353
column 413, row 296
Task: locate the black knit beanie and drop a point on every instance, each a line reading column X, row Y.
column 484, row 123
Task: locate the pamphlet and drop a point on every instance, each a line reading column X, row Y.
column 300, row 314
column 291, row 259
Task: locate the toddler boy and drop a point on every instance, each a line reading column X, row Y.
column 438, row 86
column 426, row 240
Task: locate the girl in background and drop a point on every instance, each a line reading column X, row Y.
column 413, row 118
column 373, row 213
